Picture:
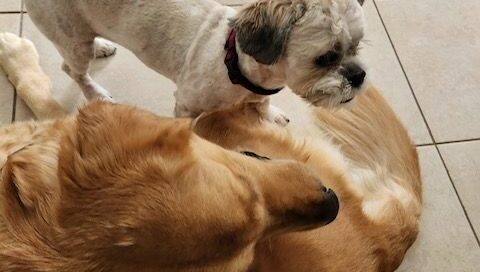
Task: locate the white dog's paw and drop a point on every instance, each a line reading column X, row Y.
column 104, row 48
column 277, row 116
column 16, row 54
column 106, row 99
column 94, row 91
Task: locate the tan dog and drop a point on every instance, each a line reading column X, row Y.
column 365, row 155
column 114, row 188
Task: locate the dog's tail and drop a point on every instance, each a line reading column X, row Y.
column 20, row 61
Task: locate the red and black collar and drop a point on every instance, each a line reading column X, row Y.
column 234, row 73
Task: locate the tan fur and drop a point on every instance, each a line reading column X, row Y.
column 114, row 188
column 368, row 137
column 118, row 189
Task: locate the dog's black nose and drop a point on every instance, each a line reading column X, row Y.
column 356, row 80
column 328, row 209
column 354, row 74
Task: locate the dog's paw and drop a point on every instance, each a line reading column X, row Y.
column 16, row 54
column 106, row 99
column 104, row 48
column 277, row 116
column 99, row 93
column 94, row 91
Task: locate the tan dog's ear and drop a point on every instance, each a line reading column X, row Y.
column 263, row 27
column 25, row 193
column 195, row 121
column 29, row 194
column 19, row 199
column 23, row 197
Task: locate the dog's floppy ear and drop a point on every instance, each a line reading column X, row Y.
column 25, row 197
column 263, row 27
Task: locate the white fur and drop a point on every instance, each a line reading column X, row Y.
column 324, row 25
column 184, row 41
column 378, row 190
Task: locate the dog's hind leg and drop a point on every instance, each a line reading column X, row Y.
column 19, row 60
column 77, row 57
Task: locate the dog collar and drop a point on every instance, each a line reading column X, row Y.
column 234, row 73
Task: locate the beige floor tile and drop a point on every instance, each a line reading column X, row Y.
column 385, row 72
column 446, row 242
column 123, row 75
column 439, row 46
column 463, row 162
column 234, row 2
column 8, row 23
column 10, row 5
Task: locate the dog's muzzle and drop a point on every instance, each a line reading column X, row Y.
column 354, row 74
column 330, row 207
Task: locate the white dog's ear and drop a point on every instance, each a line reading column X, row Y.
column 263, row 27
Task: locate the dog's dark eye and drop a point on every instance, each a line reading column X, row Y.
column 329, row 59
column 254, row 155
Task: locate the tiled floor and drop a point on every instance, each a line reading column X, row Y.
column 423, row 55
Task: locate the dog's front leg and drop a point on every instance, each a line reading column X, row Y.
column 183, row 111
column 77, row 57
column 271, row 113
column 19, row 60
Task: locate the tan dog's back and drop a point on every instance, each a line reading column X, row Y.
column 365, row 155
column 373, row 231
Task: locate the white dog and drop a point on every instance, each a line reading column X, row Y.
column 218, row 57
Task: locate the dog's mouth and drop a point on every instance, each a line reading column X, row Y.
column 255, row 155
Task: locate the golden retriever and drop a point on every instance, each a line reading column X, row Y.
column 365, row 155
column 114, row 188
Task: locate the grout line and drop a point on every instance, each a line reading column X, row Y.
column 14, row 102
column 423, row 145
column 10, row 12
column 20, row 33
column 14, row 105
column 451, row 142
column 458, row 195
column 405, row 74
column 459, row 141
column 21, row 18
column 435, row 144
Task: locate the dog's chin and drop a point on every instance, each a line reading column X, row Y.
column 333, row 97
column 331, row 92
